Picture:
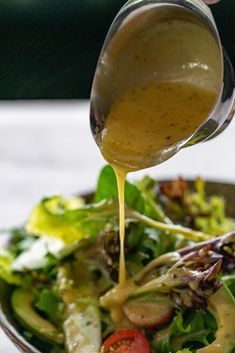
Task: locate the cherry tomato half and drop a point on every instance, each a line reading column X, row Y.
column 126, row 341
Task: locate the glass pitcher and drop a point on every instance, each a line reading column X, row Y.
column 192, row 52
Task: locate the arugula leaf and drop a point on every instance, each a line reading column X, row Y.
column 107, row 190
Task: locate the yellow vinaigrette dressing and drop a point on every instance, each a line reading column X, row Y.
column 142, row 123
column 121, row 176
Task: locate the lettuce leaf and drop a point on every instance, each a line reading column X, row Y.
column 55, row 217
column 153, row 209
column 189, row 329
column 71, row 220
column 229, row 280
column 193, row 208
column 49, row 303
column 107, row 190
column 19, row 241
column 6, row 273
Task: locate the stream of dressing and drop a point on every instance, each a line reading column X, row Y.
column 121, row 177
column 143, row 122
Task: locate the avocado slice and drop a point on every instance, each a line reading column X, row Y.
column 222, row 306
column 22, row 303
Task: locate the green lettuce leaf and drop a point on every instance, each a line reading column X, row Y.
column 229, row 280
column 190, row 329
column 20, row 241
column 55, row 217
column 48, row 302
column 209, row 211
column 107, row 190
column 6, row 273
column 192, row 207
column 153, row 209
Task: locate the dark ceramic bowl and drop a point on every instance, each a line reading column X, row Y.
column 15, row 331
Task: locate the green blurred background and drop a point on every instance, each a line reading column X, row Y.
column 49, row 48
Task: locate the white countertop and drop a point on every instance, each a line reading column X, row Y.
column 47, row 147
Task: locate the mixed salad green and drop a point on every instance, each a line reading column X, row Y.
column 62, row 267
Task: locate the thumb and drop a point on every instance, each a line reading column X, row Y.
column 209, row 2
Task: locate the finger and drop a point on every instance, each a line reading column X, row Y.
column 209, row 2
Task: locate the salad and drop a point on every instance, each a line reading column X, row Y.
column 62, row 268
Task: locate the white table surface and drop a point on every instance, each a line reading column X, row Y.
column 47, row 147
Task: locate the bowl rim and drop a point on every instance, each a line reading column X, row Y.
column 15, row 336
